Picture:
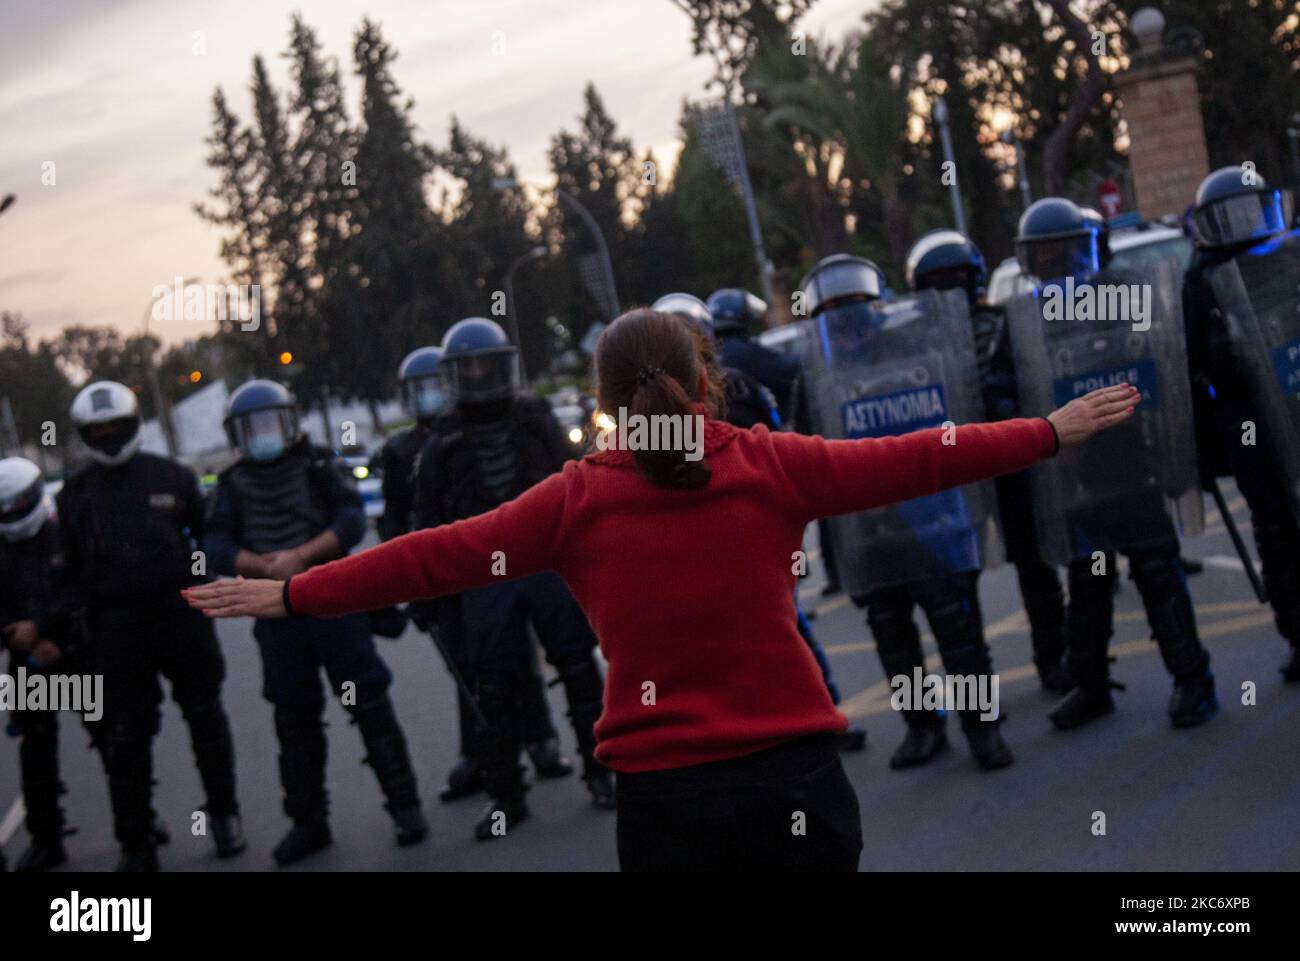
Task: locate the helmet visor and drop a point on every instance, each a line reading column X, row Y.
column 847, row 333
column 1054, row 258
column 842, row 280
column 475, row 378
column 425, row 396
column 264, row 435
column 1249, row 216
column 110, row 436
column 18, row 506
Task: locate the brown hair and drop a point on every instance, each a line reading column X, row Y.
column 649, row 363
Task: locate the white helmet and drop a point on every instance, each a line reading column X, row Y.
column 24, row 505
column 107, row 416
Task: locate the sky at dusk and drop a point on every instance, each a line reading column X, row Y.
column 112, row 93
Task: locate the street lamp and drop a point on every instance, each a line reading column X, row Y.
column 512, row 316
column 161, row 411
column 941, row 118
column 507, row 183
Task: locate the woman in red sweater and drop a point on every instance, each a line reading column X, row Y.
column 715, row 715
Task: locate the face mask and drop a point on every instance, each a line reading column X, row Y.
column 429, row 401
column 265, row 447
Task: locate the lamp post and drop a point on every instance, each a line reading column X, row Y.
column 162, row 412
column 941, row 117
column 607, row 266
column 1022, row 173
column 7, row 202
column 512, row 316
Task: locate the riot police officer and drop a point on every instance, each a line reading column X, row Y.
column 43, row 633
column 948, row 260
column 496, row 444
column 842, row 288
column 283, row 507
column 130, row 522
column 1056, row 244
column 1236, row 212
column 425, row 398
column 747, row 401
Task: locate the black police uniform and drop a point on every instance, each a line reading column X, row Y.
column 1040, row 584
column 1222, row 403
column 281, row 505
column 480, row 457
column 33, row 587
column 398, row 459
column 129, row 534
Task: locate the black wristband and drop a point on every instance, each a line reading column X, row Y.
column 1055, row 436
column 284, row 598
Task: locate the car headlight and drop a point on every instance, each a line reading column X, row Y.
column 603, row 420
column 361, row 472
column 575, row 435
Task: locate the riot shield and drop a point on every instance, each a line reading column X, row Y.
column 1128, row 487
column 1259, row 294
column 879, row 369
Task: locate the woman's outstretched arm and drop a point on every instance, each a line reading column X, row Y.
column 842, row 476
column 514, row 540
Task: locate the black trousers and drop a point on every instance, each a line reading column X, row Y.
column 788, row 808
column 138, row 647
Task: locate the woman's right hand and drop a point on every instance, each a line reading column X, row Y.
column 1092, row 413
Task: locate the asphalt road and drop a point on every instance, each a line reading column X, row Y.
column 1225, row 796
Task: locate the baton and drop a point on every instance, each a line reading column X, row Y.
column 460, row 680
column 1238, row 543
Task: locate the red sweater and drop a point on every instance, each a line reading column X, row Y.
column 689, row 592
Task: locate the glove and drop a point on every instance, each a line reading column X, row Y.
column 388, row 622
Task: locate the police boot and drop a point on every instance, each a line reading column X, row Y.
column 44, row 854
column 304, row 839
column 1193, row 701
column 1291, row 669
column 1040, row 588
column 547, row 760
column 463, row 780
column 214, row 755
column 228, row 835
column 584, row 689
column 387, row 756
column 986, row 744
column 302, row 774
column 1279, row 552
column 502, row 773
column 924, row 741
column 500, row 817
column 138, row 860
column 1081, row 706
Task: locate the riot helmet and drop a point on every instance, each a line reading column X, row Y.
column 1056, row 240
column 840, row 279
column 479, row 363
column 24, row 505
column 735, row 311
column 262, row 420
column 946, row 260
column 423, row 392
column 690, row 307
column 107, row 418
column 1235, row 205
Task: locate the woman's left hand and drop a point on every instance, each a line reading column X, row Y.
column 238, row 597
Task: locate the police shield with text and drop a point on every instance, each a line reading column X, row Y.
column 424, row 396
column 130, row 524
column 1241, row 295
column 1081, row 329
column 495, row 444
column 880, row 369
column 43, row 632
column 948, row 260
column 283, row 507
